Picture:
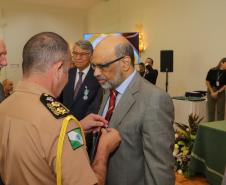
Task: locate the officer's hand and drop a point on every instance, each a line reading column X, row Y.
column 109, row 140
column 92, row 121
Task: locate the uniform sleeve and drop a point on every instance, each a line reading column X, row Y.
column 75, row 164
column 158, row 141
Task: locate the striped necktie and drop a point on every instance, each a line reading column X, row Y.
column 111, row 106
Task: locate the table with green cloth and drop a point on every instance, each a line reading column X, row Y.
column 208, row 156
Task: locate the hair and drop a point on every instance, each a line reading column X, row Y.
column 141, row 64
column 152, row 61
column 125, row 49
column 85, row 44
column 223, row 60
column 43, row 50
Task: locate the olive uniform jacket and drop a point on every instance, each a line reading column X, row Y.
column 28, row 141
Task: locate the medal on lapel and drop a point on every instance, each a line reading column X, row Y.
column 86, row 92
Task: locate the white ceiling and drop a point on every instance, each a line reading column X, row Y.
column 80, row 4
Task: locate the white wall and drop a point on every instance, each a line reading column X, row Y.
column 23, row 20
column 194, row 29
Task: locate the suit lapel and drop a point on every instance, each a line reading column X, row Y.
column 126, row 102
column 104, row 101
column 124, row 105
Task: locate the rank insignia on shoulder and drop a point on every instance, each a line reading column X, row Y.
column 57, row 109
column 75, row 138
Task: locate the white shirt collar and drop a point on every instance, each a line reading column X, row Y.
column 123, row 86
column 85, row 71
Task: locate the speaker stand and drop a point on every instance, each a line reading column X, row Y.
column 166, row 79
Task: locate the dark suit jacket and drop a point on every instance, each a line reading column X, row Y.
column 144, row 117
column 151, row 75
column 88, row 98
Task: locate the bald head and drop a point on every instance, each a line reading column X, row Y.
column 3, row 53
column 115, row 45
column 113, row 61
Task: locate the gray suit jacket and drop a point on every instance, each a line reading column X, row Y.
column 144, row 117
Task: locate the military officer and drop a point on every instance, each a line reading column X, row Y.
column 40, row 142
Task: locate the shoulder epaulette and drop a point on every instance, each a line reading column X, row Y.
column 57, row 109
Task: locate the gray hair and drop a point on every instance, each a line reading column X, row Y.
column 125, row 49
column 85, row 44
column 42, row 50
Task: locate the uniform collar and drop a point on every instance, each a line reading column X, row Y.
column 31, row 87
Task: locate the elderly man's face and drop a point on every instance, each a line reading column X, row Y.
column 108, row 74
column 80, row 57
column 3, row 52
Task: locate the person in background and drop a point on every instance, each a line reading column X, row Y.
column 216, row 85
column 142, row 69
column 151, row 74
column 82, row 94
column 41, row 143
column 141, row 112
column 8, row 87
column 3, row 63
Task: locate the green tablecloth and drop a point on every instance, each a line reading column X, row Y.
column 188, row 98
column 209, row 151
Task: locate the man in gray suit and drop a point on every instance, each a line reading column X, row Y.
column 3, row 62
column 143, row 114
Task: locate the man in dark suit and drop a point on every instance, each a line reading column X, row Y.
column 150, row 73
column 142, row 69
column 82, row 95
column 141, row 112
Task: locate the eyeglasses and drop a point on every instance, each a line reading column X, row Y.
column 102, row 66
column 79, row 54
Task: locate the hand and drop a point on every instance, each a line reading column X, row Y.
column 214, row 94
column 109, row 140
column 92, row 121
